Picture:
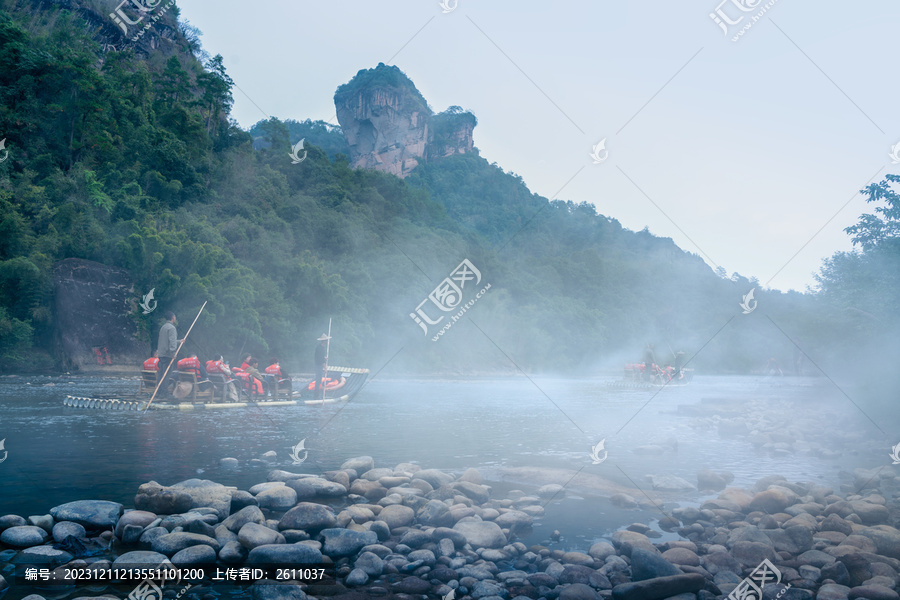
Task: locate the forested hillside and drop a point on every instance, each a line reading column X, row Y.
column 131, row 161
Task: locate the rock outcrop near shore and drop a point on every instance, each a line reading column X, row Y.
column 95, row 306
column 408, row 532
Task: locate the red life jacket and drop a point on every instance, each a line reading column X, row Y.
column 151, row 364
column 274, row 369
column 216, row 366
column 244, row 366
column 247, row 380
column 189, row 365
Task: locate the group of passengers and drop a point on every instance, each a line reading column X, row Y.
column 247, row 377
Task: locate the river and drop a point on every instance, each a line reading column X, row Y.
column 58, row 454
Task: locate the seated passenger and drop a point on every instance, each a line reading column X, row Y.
column 245, row 362
column 276, row 373
column 253, row 371
column 218, row 366
column 152, row 363
column 191, row 364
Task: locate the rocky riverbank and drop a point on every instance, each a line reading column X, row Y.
column 408, row 532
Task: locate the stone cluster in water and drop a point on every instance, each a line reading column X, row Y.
column 408, row 532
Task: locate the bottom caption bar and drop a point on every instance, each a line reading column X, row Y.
column 164, row 575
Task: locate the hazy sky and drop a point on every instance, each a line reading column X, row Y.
column 739, row 151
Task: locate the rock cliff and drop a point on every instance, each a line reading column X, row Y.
column 389, row 126
column 94, row 308
column 144, row 26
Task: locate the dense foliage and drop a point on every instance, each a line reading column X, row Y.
column 133, row 162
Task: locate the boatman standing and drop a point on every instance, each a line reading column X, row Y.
column 321, row 360
column 166, row 347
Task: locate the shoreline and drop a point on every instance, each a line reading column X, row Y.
column 404, row 531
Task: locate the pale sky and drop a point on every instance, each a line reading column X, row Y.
column 739, row 151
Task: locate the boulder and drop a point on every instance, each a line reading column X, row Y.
column 578, row 591
column 252, row 535
column 24, row 536
column 370, row 563
column 397, row 515
column 64, row 529
column 248, row 514
column 434, row 477
column 194, row 555
column 285, row 554
column 140, row 558
column 162, row 500
column 710, row 480
column 277, row 498
column 309, row 517
column 344, row 542
column 172, row 543
column 360, row 464
column 42, row 556
column 773, row 500
column 659, row 588
column 95, row 514
column 141, row 518
column 649, row 565
column 750, row 554
column 434, row 514
column 885, row 537
column 481, row 534
column 206, row 493
column 233, row 553
column 473, row 491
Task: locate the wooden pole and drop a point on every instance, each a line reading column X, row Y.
column 177, row 350
column 327, row 350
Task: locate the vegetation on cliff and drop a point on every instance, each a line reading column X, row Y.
column 134, row 163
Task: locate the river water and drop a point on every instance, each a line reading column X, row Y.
column 58, row 454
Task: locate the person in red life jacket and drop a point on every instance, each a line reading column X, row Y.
column 274, row 371
column 245, row 362
column 192, row 364
column 252, row 385
column 259, row 378
column 218, row 366
column 152, row 363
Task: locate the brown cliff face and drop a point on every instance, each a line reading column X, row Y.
column 389, row 127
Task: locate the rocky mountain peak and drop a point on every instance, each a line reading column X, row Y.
column 388, row 125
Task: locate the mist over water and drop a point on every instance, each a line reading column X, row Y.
column 59, row 454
